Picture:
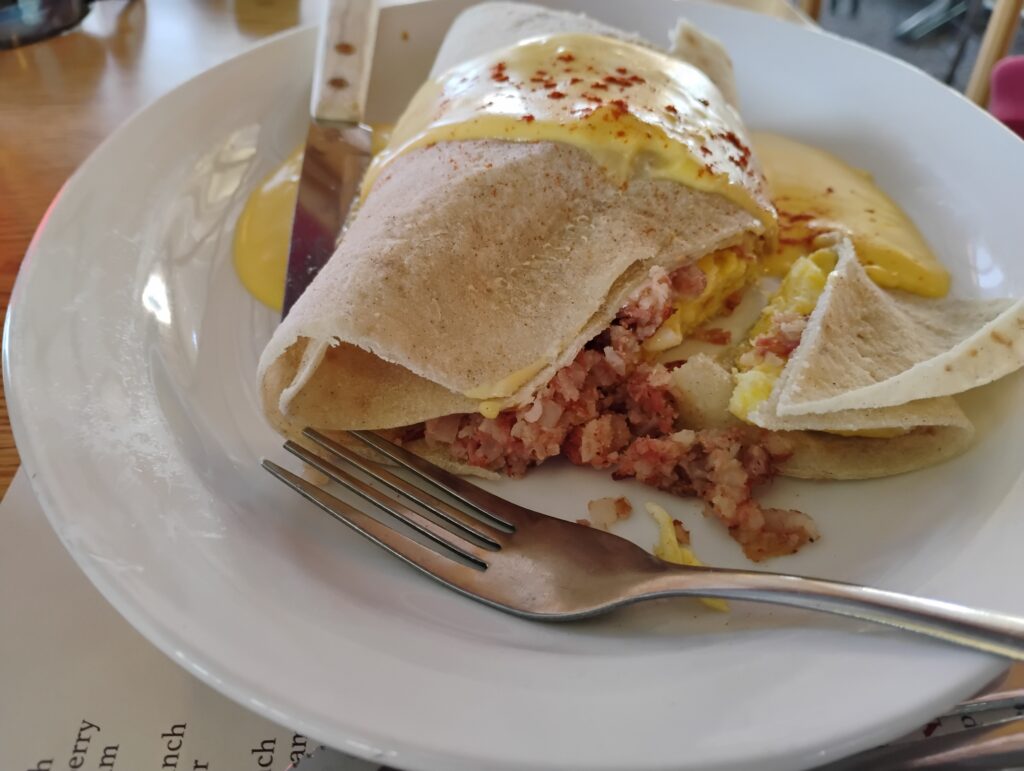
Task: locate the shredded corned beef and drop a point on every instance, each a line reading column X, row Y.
column 610, row 408
column 723, row 467
column 784, row 335
column 589, row 410
column 649, row 306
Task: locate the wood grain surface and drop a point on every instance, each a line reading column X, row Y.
column 60, row 98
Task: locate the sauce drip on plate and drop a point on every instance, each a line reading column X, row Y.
column 817, row 194
column 263, row 231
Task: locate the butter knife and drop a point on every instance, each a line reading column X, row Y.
column 337, row 143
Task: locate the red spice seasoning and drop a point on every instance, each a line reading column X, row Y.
column 498, row 73
column 620, row 107
column 556, row 95
column 574, row 81
column 617, row 81
column 528, row 118
column 671, row 108
column 565, row 56
column 744, row 158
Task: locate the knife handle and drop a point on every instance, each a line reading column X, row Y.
column 344, row 59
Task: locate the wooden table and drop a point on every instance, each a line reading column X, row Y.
column 61, row 97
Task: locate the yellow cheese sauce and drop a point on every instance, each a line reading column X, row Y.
column 633, row 109
column 816, row 193
column 493, row 396
column 264, row 230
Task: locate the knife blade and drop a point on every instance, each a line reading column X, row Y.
column 337, row 143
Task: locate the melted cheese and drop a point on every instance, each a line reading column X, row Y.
column 509, row 385
column 633, row 109
column 817, row 194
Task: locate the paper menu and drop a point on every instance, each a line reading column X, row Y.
column 81, row 689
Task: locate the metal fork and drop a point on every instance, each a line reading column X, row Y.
column 543, row 568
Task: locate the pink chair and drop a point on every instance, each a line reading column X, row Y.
column 1007, row 96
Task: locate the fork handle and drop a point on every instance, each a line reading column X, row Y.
column 982, row 630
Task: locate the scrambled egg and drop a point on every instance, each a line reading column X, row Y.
column 669, row 549
column 798, row 294
column 727, row 272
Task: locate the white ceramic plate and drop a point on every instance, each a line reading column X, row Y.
column 130, row 359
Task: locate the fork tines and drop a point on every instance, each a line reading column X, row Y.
column 457, row 533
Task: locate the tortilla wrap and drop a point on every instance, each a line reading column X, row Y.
column 824, row 443
column 937, row 428
column 866, row 348
column 469, row 261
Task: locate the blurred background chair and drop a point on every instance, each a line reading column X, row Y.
column 933, row 17
column 995, row 45
column 958, row 41
column 1007, row 99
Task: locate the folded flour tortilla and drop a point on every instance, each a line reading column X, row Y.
column 472, row 260
column 870, row 361
column 868, row 348
column 936, row 429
